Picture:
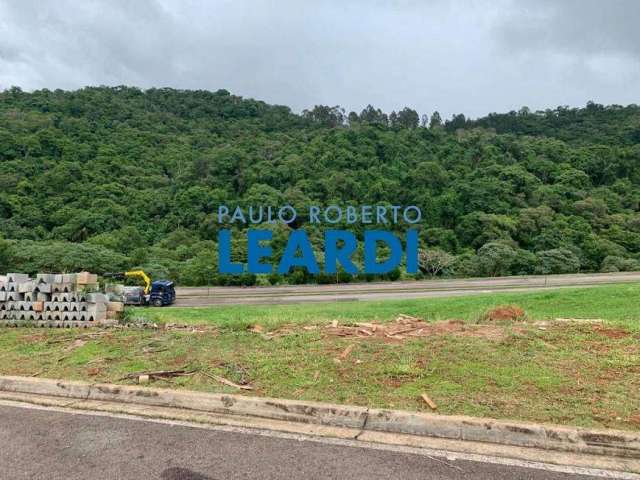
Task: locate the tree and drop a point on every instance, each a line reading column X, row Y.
column 5, row 254
column 353, row 118
column 524, row 263
column 393, row 120
column 436, row 120
column 612, row 263
column 326, row 116
column 558, row 260
column 495, row 259
column 442, row 238
column 408, row 118
column 478, row 228
column 457, row 122
column 373, row 116
column 435, row 261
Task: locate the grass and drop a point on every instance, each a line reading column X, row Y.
column 577, row 374
column 616, row 303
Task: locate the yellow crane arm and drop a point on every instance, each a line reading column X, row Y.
column 145, row 278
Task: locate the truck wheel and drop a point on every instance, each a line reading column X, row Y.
column 157, row 302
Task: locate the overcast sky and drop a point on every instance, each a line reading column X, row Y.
column 470, row 57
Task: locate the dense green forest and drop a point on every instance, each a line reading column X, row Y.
column 107, row 179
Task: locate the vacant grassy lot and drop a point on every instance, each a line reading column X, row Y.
column 570, row 373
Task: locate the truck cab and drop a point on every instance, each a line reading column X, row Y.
column 162, row 293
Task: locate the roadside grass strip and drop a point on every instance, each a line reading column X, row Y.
column 614, row 303
column 581, row 373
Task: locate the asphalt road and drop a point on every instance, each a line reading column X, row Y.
column 202, row 296
column 50, row 444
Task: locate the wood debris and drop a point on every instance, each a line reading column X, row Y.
column 370, row 326
column 77, row 343
column 279, row 332
column 346, row 352
column 224, row 381
column 427, row 399
column 403, row 327
column 85, row 336
column 187, row 328
column 148, row 350
column 156, row 375
column 578, row 320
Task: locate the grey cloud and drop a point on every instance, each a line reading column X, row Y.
column 9, row 53
column 463, row 56
column 582, row 27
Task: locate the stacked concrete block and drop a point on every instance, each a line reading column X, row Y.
column 45, row 278
column 114, row 310
column 55, row 300
column 43, row 288
column 17, row 277
column 86, row 282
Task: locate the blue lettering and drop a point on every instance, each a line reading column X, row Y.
column 298, row 240
column 333, row 254
column 371, row 239
column 412, row 251
column 224, row 247
column 256, row 252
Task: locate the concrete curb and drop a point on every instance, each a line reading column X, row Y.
column 612, row 443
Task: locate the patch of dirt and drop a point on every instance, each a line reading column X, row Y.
column 501, row 313
column 35, row 338
column 596, row 347
column 404, row 327
column 611, row 332
column 179, row 360
column 392, row 382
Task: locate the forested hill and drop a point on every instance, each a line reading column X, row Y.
column 611, row 125
column 114, row 178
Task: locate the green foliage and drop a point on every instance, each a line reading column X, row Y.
column 111, row 178
column 558, row 260
column 495, row 259
column 618, row 264
column 5, row 254
column 57, row 256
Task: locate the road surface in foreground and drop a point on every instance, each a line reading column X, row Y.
column 203, row 296
column 42, row 443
